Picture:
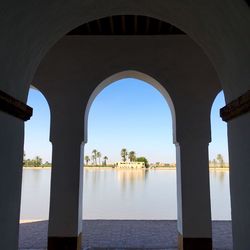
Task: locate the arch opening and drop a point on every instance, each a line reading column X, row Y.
column 219, row 163
column 129, row 74
column 35, row 197
column 127, row 182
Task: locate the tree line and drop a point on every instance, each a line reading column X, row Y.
column 96, row 159
column 218, row 161
column 35, row 162
column 131, row 155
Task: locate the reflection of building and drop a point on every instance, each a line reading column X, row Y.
column 132, row 164
column 130, row 176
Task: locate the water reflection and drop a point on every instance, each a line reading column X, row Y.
column 220, row 194
column 129, row 194
column 123, row 194
column 128, row 178
column 35, row 194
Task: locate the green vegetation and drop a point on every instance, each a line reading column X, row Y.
column 99, row 155
column 105, row 158
column 132, row 156
column 124, row 154
column 143, row 159
column 87, row 159
column 36, row 162
column 96, row 155
column 218, row 162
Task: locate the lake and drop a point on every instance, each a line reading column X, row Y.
column 122, row 194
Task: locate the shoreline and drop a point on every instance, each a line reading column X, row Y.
column 108, row 168
column 31, row 221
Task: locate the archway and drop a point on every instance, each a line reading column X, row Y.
column 220, row 171
column 37, row 161
column 143, row 131
column 130, row 74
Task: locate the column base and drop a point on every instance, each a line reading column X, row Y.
column 65, row 243
column 194, row 243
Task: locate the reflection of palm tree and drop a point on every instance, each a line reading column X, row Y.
column 99, row 155
column 94, row 156
column 105, row 160
column 124, row 154
column 132, row 156
column 87, row 159
column 214, row 162
column 221, row 176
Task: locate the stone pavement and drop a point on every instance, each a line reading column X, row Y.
column 124, row 234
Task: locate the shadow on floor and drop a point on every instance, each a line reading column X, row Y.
column 120, row 234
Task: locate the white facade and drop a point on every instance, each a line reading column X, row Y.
column 133, row 164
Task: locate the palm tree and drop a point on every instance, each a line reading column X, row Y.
column 105, row 158
column 24, row 160
column 87, row 159
column 93, row 159
column 37, row 161
column 99, row 155
column 219, row 157
column 132, row 156
column 94, row 156
column 124, row 154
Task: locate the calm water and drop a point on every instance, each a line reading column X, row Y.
column 122, row 194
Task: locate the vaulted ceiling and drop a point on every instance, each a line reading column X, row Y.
column 126, row 25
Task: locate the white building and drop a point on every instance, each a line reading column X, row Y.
column 132, row 164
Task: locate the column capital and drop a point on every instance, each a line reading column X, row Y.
column 193, row 138
column 193, row 124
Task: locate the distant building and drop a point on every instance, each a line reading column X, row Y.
column 162, row 164
column 132, row 164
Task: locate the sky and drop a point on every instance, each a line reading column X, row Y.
column 127, row 114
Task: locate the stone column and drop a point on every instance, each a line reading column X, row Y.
column 239, row 161
column 11, row 155
column 193, row 191
column 65, row 217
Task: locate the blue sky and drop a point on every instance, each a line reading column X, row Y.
column 128, row 113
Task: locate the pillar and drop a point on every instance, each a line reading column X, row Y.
column 239, row 160
column 65, row 216
column 193, row 190
column 13, row 113
column 237, row 114
column 11, row 155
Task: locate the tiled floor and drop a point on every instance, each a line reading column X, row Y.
column 121, row 234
